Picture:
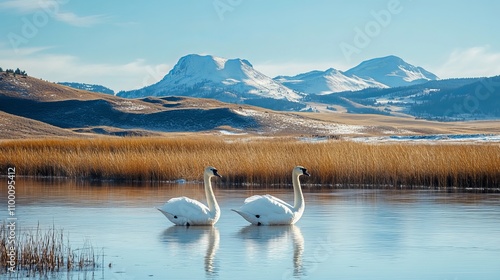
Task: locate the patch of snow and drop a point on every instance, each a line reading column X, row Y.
column 220, row 62
column 131, row 106
column 284, row 122
column 433, row 138
column 227, row 132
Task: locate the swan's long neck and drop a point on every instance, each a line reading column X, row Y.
column 211, row 201
column 298, row 196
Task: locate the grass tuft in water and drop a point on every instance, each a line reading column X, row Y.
column 41, row 252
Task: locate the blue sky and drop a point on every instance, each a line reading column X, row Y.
column 130, row 44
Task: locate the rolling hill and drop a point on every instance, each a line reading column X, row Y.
column 82, row 111
column 444, row 100
column 47, row 108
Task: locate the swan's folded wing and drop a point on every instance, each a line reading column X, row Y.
column 278, row 201
column 252, row 198
column 184, row 206
column 267, row 203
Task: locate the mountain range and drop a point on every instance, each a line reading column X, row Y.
column 385, row 85
column 384, row 72
column 236, row 80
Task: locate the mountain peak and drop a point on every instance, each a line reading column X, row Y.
column 392, row 71
column 200, row 62
column 229, row 80
column 331, row 71
column 325, row 82
column 391, row 58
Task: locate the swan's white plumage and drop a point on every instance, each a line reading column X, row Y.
column 185, row 211
column 270, row 210
column 266, row 210
column 271, row 203
column 189, row 211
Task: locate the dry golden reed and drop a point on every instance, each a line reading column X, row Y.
column 41, row 252
column 258, row 161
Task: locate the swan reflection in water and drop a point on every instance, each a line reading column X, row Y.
column 191, row 239
column 274, row 240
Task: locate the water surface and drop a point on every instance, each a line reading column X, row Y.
column 343, row 234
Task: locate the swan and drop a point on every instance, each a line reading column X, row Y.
column 269, row 210
column 184, row 211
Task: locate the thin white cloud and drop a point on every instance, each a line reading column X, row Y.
column 54, row 9
column 67, row 68
column 5, row 52
column 86, row 21
column 22, row 6
column 472, row 62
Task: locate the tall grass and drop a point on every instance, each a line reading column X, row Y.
column 259, row 161
column 41, row 252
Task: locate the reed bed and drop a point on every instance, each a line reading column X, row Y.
column 41, row 252
column 258, row 161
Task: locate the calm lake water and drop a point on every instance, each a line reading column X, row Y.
column 343, row 234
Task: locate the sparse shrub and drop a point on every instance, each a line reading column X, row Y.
column 15, row 72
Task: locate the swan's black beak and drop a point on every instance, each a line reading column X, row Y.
column 215, row 173
column 304, row 172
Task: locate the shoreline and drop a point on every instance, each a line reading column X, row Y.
column 306, row 187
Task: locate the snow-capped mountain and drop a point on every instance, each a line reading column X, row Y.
column 384, row 72
column 236, row 81
column 391, row 71
column 325, row 82
column 229, row 80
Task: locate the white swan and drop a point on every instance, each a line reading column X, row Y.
column 184, row 211
column 269, row 210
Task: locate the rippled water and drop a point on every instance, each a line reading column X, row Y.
column 343, row 234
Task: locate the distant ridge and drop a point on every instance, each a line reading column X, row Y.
column 89, row 87
column 324, row 82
